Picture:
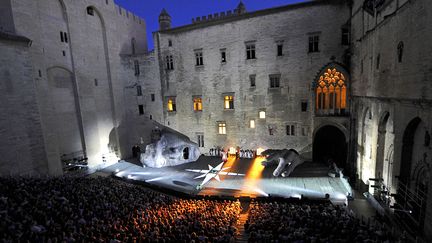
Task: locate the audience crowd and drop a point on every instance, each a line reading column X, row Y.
column 72, row 209
column 309, row 222
column 107, row 210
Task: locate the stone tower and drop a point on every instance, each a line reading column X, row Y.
column 164, row 20
column 241, row 8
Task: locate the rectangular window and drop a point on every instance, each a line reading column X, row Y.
column 65, row 35
column 305, row 131
column 229, row 102
column 169, row 42
column 200, row 140
column 199, row 58
column 252, row 124
column 139, row 90
column 197, row 101
column 250, row 51
column 262, row 114
column 274, row 80
column 96, row 82
column 252, row 80
column 61, row 36
column 152, row 97
column 290, row 130
column 90, row 11
column 280, row 50
column 314, row 43
column 169, row 62
column 221, row 127
column 171, row 105
column 223, row 55
column 141, row 109
column 137, row 68
column 345, row 36
column 304, row 105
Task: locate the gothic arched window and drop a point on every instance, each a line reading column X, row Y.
column 331, row 92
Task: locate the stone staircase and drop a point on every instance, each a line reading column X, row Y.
column 241, row 235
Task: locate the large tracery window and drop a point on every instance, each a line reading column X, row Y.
column 331, row 92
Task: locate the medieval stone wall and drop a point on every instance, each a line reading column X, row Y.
column 297, row 69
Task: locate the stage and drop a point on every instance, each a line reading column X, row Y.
column 249, row 179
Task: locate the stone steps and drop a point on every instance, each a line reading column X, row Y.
column 242, row 236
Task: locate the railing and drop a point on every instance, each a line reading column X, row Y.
column 74, row 161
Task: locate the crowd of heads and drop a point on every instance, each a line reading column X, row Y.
column 90, row 209
column 107, row 210
column 309, row 222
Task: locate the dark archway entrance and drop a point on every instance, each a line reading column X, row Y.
column 407, row 150
column 330, row 143
column 186, row 153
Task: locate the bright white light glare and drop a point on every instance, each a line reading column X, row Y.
column 117, row 170
column 262, row 114
column 232, row 150
column 259, row 151
column 156, row 179
column 129, row 176
column 261, row 192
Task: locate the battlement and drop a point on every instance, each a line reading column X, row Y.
column 123, row 12
column 217, row 16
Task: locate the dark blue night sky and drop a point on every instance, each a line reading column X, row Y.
column 182, row 11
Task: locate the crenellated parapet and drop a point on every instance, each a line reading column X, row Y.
column 241, row 9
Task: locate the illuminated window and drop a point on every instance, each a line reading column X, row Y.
column 314, row 43
column 169, row 62
column 229, row 102
column 262, row 115
column 252, row 124
column 274, row 81
column 199, row 58
column 197, row 103
column 171, row 105
column 222, row 127
column 331, row 91
column 250, row 51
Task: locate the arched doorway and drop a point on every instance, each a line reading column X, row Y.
column 407, row 150
column 330, row 143
column 412, row 191
column 381, row 144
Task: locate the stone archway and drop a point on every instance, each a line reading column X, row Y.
column 407, row 150
column 330, row 143
column 381, row 145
